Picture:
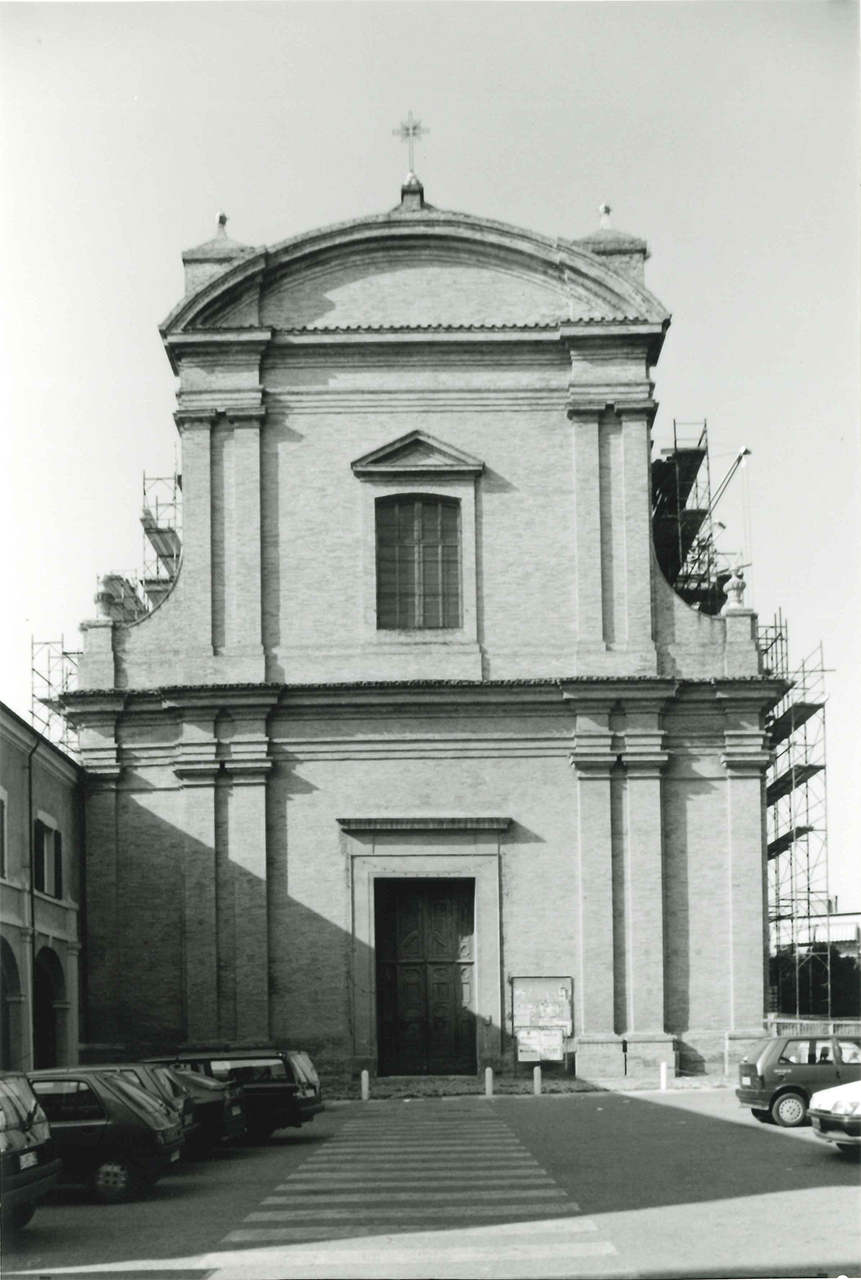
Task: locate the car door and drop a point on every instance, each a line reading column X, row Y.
column 77, row 1118
column 808, row 1063
column 848, row 1058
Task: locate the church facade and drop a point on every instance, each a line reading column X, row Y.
column 420, row 727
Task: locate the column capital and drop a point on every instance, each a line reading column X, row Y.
column 248, row 773
column 584, row 413
column 592, row 763
column 645, row 765
column 194, row 419
column 245, row 415
column 198, row 773
column 746, row 766
column 636, row 410
column 101, row 777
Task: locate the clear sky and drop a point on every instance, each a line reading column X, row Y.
column 726, row 134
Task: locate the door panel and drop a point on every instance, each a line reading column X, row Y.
column 425, row 977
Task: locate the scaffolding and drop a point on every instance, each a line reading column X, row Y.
column 684, row 528
column 53, row 672
column 161, row 519
column 799, row 904
column 53, row 668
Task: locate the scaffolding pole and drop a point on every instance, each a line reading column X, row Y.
column 799, row 902
column 53, row 672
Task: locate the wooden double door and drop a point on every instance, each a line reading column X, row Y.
column 425, row 945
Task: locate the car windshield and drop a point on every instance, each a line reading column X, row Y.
column 196, row 1080
column 171, row 1082
column 300, row 1069
column 133, row 1094
column 307, row 1066
column 17, row 1101
column 249, row 1070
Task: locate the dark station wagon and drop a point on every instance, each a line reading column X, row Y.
column 779, row 1075
column 211, row 1111
column 109, row 1133
column 281, row 1087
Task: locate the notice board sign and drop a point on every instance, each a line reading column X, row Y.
column 543, row 1002
column 539, row 1044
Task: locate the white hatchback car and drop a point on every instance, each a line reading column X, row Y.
column 836, row 1115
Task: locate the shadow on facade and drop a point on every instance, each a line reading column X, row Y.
column 611, row 1154
column 175, row 946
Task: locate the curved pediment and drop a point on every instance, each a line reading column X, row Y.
column 435, row 270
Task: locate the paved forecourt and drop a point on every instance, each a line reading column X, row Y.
column 417, row 1191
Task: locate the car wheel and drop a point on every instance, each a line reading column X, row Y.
column 115, row 1181
column 849, row 1149
column 789, row 1110
column 764, row 1117
column 18, row 1218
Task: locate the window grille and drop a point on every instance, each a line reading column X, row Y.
column 418, row 563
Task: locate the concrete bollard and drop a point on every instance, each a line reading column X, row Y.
column 536, row 1081
column 663, row 1077
column 366, row 1086
column 488, row 1082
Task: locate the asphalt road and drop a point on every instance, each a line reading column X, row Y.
column 601, row 1184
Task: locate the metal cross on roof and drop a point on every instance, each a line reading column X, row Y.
column 410, row 131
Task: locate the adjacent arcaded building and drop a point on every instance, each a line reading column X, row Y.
column 420, row 718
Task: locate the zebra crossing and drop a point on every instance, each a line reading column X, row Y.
column 434, row 1192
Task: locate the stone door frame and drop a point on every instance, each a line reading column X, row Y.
column 427, row 849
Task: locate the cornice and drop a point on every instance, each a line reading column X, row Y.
column 585, row 406
column 481, row 241
column 448, row 823
column 420, row 399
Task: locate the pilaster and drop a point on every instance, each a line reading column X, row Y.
column 104, row 939
column 745, row 759
column 195, row 428
column 644, row 760
column 247, row 628
column 246, row 779
column 200, row 948
column 637, row 506
column 197, row 770
column 587, row 531
column 73, row 952
column 599, row 1050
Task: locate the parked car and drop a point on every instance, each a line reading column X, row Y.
column 779, row 1075
column 281, row 1087
column 29, row 1165
column 157, row 1082
column 109, row 1133
column 836, row 1116
column 219, row 1108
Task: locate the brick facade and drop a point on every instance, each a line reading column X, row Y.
column 584, row 747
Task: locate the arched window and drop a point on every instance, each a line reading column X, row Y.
column 418, row 562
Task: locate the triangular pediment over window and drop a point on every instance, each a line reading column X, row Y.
column 417, row 453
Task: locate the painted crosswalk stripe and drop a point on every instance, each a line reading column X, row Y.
column 373, row 1197
column 452, row 1183
column 242, row 1234
column 386, row 1198
column 385, row 1214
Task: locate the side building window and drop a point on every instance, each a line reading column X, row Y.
column 418, row 563
column 47, row 859
column 39, row 852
